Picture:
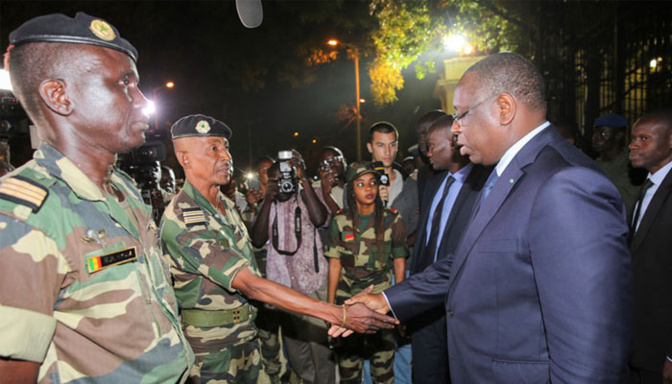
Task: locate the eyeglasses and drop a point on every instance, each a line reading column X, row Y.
column 458, row 116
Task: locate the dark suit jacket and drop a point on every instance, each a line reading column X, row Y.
column 651, row 249
column 540, row 285
column 457, row 220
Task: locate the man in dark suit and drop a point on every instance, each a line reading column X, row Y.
column 539, row 289
column 651, row 249
column 450, row 197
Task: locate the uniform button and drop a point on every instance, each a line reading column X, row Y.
column 449, row 312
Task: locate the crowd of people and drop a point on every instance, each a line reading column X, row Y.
column 498, row 252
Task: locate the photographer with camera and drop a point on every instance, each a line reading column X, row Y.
column 289, row 216
column 331, row 183
column 216, row 278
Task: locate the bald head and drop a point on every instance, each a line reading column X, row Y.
column 511, row 73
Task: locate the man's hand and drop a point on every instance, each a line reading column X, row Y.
column 327, row 180
column 272, row 191
column 299, row 165
column 361, row 319
column 375, row 302
column 383, row 191
column 667, row 372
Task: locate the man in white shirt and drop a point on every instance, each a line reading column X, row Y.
column 540, row 287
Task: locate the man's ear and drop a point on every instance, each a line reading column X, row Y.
column 506, row 105
column 55, row 97
column 369, row 147
column 183, row 159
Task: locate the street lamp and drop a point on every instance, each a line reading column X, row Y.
column 354, row 51
column 169, row 85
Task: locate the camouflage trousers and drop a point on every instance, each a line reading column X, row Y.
column 238, row 364
column 378, row 348
column 268, row 326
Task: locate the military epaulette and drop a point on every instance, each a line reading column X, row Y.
column 21, row 190
column 193, row 217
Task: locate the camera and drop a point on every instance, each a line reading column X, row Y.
column 286, row 181
column 325, row 166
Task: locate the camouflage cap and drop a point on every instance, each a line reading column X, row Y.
column 82, row 29
column 199, row 126
column 357, row 169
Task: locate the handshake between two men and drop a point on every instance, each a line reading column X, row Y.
column 358, row 315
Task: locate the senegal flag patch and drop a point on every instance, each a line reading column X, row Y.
column 348, row 237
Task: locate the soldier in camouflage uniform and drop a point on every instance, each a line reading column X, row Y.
column 214, row 267
column 365, row 243
column 85, row 292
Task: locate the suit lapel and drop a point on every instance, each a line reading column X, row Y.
column 652, row 210
column 474, row 182
column 513, row 175
column 420, row 242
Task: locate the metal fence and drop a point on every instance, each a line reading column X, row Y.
column 606, row 57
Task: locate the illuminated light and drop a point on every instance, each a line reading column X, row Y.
column 653, row 63
column 362, row 101
column 296, row 134
column 314, row 141
column 249, row 175
column 4, row 80
column 150, row 108
column 468, row 49
column 454, row 42
column 332, row 42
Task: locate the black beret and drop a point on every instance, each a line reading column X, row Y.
column 82, row 29
column 199, row 126
column 611, row 120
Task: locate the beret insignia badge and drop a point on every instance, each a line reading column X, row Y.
column 102, row 30
column 202, row 127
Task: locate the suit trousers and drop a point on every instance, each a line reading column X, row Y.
column 430, row 351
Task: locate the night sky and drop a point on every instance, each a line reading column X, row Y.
column 252, row 79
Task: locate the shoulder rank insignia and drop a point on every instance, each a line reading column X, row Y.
column 393, row 210
column 193, row 217
column 21, row 190
column 348, row 237
column 339, row 211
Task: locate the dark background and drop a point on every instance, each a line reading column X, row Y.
column 255, row 80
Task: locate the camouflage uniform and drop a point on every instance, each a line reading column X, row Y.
column 84, row 288
column 361, row 266
column 207, row 250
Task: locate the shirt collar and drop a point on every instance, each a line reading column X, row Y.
column 515, row 148
column 658, row 177
column 64, row 169
column 462, row 174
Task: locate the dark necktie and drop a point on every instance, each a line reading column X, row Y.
column 635, row 218
column 430, row 250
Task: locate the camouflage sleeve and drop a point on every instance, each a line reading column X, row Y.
column 333, row 245
column 201, row 251
column 399, row 248
column 32, row 270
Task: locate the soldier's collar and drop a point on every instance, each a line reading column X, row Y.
column 64, row 169
column 202, row 202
